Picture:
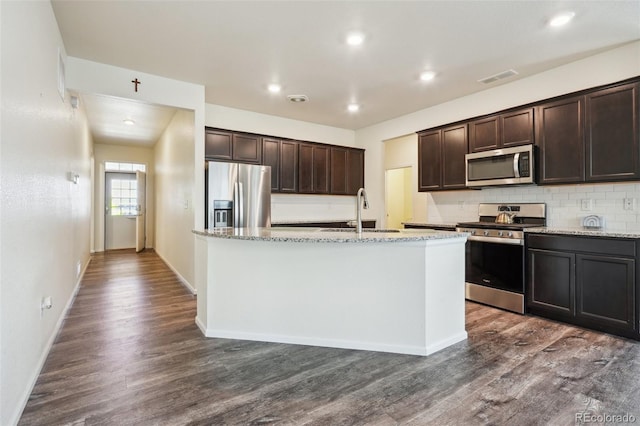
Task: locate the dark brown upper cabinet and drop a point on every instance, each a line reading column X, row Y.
column 355, row 170
column 313, row 169
column 231, row 146
column 296, row 166
column 289, row 166
column 441, row 164
column 430, row 161
column 271, row 157
column 339, row 169
column 282, row 156
column 501, row 131
column 612, row 151
column 560, row 138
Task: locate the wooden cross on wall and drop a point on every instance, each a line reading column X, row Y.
column 136, row 82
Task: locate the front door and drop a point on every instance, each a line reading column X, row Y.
column 121, row 192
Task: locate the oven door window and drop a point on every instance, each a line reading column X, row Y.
column 495, row 265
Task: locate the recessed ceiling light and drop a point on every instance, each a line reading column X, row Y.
column 353, row 107
column 355, row 39
column 427, row 76
column 298, row 98
column 275, row 88
column 128, row 122
column 561, row 19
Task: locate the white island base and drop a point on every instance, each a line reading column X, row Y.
column 380, row 295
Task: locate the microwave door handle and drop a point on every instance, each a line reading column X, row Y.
column 516, row 165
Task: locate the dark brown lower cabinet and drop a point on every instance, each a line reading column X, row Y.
column 587, row 281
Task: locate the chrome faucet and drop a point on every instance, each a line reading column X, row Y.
column 360, row 197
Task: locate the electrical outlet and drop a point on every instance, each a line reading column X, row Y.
column 586, row 204
column 78, row 268
column 629, row 203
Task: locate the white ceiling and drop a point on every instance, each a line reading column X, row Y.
column 106, row 115
column 236, row 48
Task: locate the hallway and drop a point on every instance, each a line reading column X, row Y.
column 129, row 352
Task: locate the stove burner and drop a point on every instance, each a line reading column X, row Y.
column 493, row 225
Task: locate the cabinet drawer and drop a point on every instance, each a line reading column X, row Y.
column 610, row 246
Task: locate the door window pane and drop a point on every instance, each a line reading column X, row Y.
column 124, row 196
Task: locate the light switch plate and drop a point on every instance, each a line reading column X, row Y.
column 586, row 204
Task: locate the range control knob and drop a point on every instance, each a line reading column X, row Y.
column 510, row 234
column 486, row 233
column 499, row 233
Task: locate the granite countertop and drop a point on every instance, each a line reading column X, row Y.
column 282, row 222
column 447, row 225
column 586, row 232
column 328, row 235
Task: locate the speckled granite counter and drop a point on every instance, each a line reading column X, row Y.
column 585, row 232
column 430, row 225
column 400, row 292
column 328, row 235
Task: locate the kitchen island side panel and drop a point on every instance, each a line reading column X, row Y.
column 370, row 296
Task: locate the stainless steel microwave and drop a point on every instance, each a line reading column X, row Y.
column 508, row 166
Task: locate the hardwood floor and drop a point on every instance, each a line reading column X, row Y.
column 129, row 352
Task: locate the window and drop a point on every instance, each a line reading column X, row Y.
column 110, row 166
column 124, row 197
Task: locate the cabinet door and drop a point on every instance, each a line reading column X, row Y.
column 338, row 170
column 454, row 148
column 517, row 128
column 484, row 134
column 355, row 170
column 247, row 148
column 560, row 137
column 218, row 145
column 321, row 171
column 305, row 168
column 612, row 134
column 551, row 281
column 271, row 157
column 606, row 291
column 288, row 166
column 429, row 161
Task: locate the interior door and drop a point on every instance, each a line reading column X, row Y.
column 141, row 180
column 121, row 204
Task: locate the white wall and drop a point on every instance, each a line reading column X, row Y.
column 122, row 154
column 175, row 168
column 611, row 66
column 45, row 219
column 403, row 152
column 286, row 207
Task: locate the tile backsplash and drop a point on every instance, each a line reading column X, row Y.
column 564, row 203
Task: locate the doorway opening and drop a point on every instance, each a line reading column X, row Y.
column 399, row 197
column 125, row 206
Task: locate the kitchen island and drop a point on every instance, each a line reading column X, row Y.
column 400, row 291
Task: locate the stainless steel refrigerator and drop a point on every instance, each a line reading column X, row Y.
column 238, row 195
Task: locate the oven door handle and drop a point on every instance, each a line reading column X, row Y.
column 497, row 240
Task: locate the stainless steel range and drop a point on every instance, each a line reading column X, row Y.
column 495, row 253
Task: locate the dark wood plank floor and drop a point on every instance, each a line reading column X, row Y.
column 130, row 353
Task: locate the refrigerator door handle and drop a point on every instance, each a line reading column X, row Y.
column 236, row 203
column 241, row 223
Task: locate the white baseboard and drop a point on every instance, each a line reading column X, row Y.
column 312, row 341
column 43, row 358
column 184, row 282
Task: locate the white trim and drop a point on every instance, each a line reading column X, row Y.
column 328, row 343
column 45, row 353
column 183, row 281
column 446, row 342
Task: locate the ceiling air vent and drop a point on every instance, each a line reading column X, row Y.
column 298, row 98
column 499, row 76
